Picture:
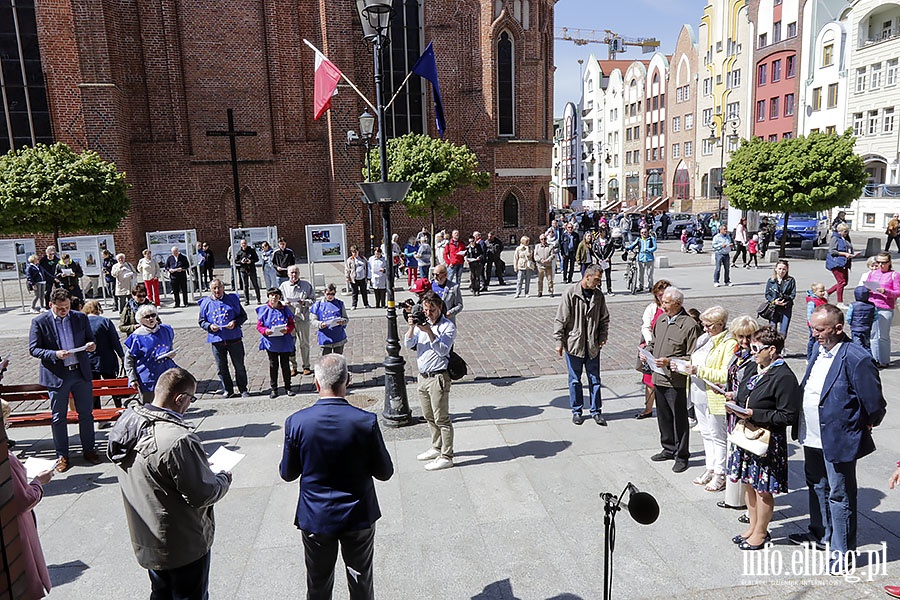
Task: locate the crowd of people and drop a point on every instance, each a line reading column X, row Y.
column 726, row 376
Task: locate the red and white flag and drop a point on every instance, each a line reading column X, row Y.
column 327, row 77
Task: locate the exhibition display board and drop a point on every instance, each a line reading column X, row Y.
column 13, row 257
column 87, row 251
column 326, row 243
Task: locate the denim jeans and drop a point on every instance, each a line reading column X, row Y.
column 576, row 390
column 190, row 582
column 221, row 352
column 832, row 499
column 723, row 261
column 781, row 322
column 881, row 336
column 455, row 273
column 523, row 282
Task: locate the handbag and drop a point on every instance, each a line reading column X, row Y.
column 766, row 310
column 456, row 367
column 750, row 437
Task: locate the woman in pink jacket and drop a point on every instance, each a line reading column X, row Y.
column 884, row 296
column 26, row 495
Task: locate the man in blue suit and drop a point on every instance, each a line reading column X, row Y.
column 842, row 402
column 336, row 449
column 52, row 337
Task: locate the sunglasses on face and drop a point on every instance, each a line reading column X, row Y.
column 154, row 317
column 756, row 348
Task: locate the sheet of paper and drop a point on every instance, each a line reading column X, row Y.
column 168, row 354
column 872, row 285
column 736, row 408
column 333, row 322
column 4, row 364
column 279, row 328
column 651, row 361
column 35, row 465
column 680, row 365
column 78, row 349
column 224, row 459
column 715, row 387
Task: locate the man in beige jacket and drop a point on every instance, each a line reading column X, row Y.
column 581, row 330
column 544, row 254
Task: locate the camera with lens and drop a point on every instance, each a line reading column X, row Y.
column 418, row 314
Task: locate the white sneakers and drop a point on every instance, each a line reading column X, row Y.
column 439, row 463
column 429, row 454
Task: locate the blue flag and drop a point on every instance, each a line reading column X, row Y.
column 427, row 67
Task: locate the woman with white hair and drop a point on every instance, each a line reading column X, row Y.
column 149, row 272
column 709, row 365
column 523, row 262
column 149, row 351
column 125, row 275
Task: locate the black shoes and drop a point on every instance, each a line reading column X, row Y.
column 745, row 546
column 744, row 519
column 662, row 456
column 577, row 418
column 803, row 539
column 680, row 466
column 723, row 504
column 289, row 391
column 273, row 393
column 599, row 420
column 643, row 415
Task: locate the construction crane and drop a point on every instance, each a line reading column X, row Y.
column 615, row 43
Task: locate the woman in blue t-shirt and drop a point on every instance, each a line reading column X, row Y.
column 149, row 352
column 275, row 323
column 331, row 319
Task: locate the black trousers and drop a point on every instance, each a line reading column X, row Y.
column 672, row 418
column 179, row 285
column 247, row 277
column 568, row 267
column 359, row 287
column 379, row 298
column 320, row 551
column 284, row 360
column 190, row 582
column 494, row 264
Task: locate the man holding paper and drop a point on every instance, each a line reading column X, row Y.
column 336, row 449
column 62, row 338
column 168, row 488
column 221, row 316
column 674, row 337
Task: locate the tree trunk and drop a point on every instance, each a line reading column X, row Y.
column 782, row 252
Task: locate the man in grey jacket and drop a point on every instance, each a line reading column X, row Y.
column 448, row 291
column 168, row 489
column 581, row 330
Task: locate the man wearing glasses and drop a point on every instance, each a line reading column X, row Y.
column 168, row 488
column 62, row 339
column 842, row 402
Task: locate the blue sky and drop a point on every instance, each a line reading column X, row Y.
column 661, row 19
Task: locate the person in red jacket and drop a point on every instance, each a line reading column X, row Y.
column 454, row 256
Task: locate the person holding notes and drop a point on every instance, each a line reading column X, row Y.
column 275, row 323
column 149, row 351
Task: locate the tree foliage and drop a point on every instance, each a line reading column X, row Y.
column 435, row 167
column 52, row 189
column 803, row 174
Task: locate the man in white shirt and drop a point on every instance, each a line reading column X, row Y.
column 299, row 295
column 433, row 340
column 842, row 402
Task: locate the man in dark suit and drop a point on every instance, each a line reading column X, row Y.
column 53, row 335
column 336, row 449
column 842, row 402
column 178, row 266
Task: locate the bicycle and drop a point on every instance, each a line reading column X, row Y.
column 631, row 272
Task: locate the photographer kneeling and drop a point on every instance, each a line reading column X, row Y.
column 432, row 335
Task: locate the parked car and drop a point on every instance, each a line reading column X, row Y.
column 803, row 226
column 677, row 221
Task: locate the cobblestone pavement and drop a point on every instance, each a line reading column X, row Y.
column 495, row 342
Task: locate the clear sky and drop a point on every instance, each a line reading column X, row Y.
column 661, row 19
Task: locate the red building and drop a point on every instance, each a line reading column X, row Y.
column 142, row 83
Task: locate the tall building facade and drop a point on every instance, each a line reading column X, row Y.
column 142, row 84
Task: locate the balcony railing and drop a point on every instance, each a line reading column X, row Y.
column 884, row 34
column 881, row 190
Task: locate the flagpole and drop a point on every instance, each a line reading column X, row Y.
column 397, row 93
column 355, row 89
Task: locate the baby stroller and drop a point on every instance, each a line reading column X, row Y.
column 615, row 236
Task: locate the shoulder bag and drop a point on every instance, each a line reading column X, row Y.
column 750, row 437
column 456, row 367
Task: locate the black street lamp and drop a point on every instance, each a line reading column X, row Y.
column 735, row 122
column 375, row 17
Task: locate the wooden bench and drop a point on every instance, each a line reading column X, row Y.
column 34, row 400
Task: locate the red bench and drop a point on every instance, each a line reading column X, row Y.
column 34, row 409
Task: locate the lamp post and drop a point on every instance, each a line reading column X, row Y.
column 375, row 17
column 735, row 122
column 366, row 128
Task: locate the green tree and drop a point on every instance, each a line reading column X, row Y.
column 803, row 174
column 52, row 189
column 436, row 168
